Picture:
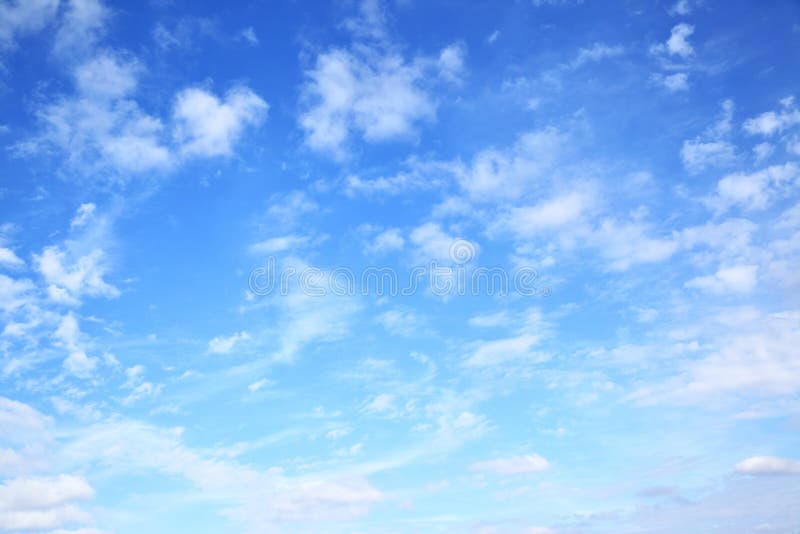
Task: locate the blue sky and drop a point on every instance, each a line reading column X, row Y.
column 589, row 210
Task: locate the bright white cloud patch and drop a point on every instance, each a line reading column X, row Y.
column 736, row 279
column 207, row 126
column 40, row 503
column 768, row 465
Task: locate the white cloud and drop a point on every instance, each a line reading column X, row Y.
column 84, row 214
column 82, row 25
column 517, row 465
column 754, row 356
column 377, row 96
column 207, row 126
column 507, row 174
column 381, row 404
column 249, row 35
column 678, row 43
column 107, row 77
column 768, row 465
column 69, row 278
column 14, row 293
column 400, row 322
column 9, row 259
column 433, row 243
column 698, row 155
column 627, row 244
column 370, row 90
column 756, row 190
column 223, row 345
column 39, row 503
column 681, row 7
column 22, row 17
column 68, row 335
column 712, row 148
column 736, row 279
column 451, row 63
column 676, row 82
column 527, row 221
column 772, row 122
column 280, row 244
column 101, row 126
column 499, row 351
column 256, row 500
column 596, row 52
column 386, row 241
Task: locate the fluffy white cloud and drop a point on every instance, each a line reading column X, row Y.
column 370, row 90
column 386, row 241
column 69, row 278
column 9, row 259
column 101, row 126
column 772, row 122
column 82, row 25
column 39, row 503
column 506, row 174
column 756, row 190
column 517, row 465
column 736, row 279
column 68, row 336
column 754, row 356
column 207, row 126
column 768, row 465
column 626, row 244
column 678, row 43
column 223, row 345
column 21, row 17
column 107, row 77
column 433, row 243
column 377, row 96
column 527, row 221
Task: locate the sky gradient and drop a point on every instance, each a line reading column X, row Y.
column 399, row 266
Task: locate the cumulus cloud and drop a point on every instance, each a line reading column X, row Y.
column 516, row 465
column 768, row 465
column 207, row 126
column 102, row 127
column 370, row 90
column 678, row 42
